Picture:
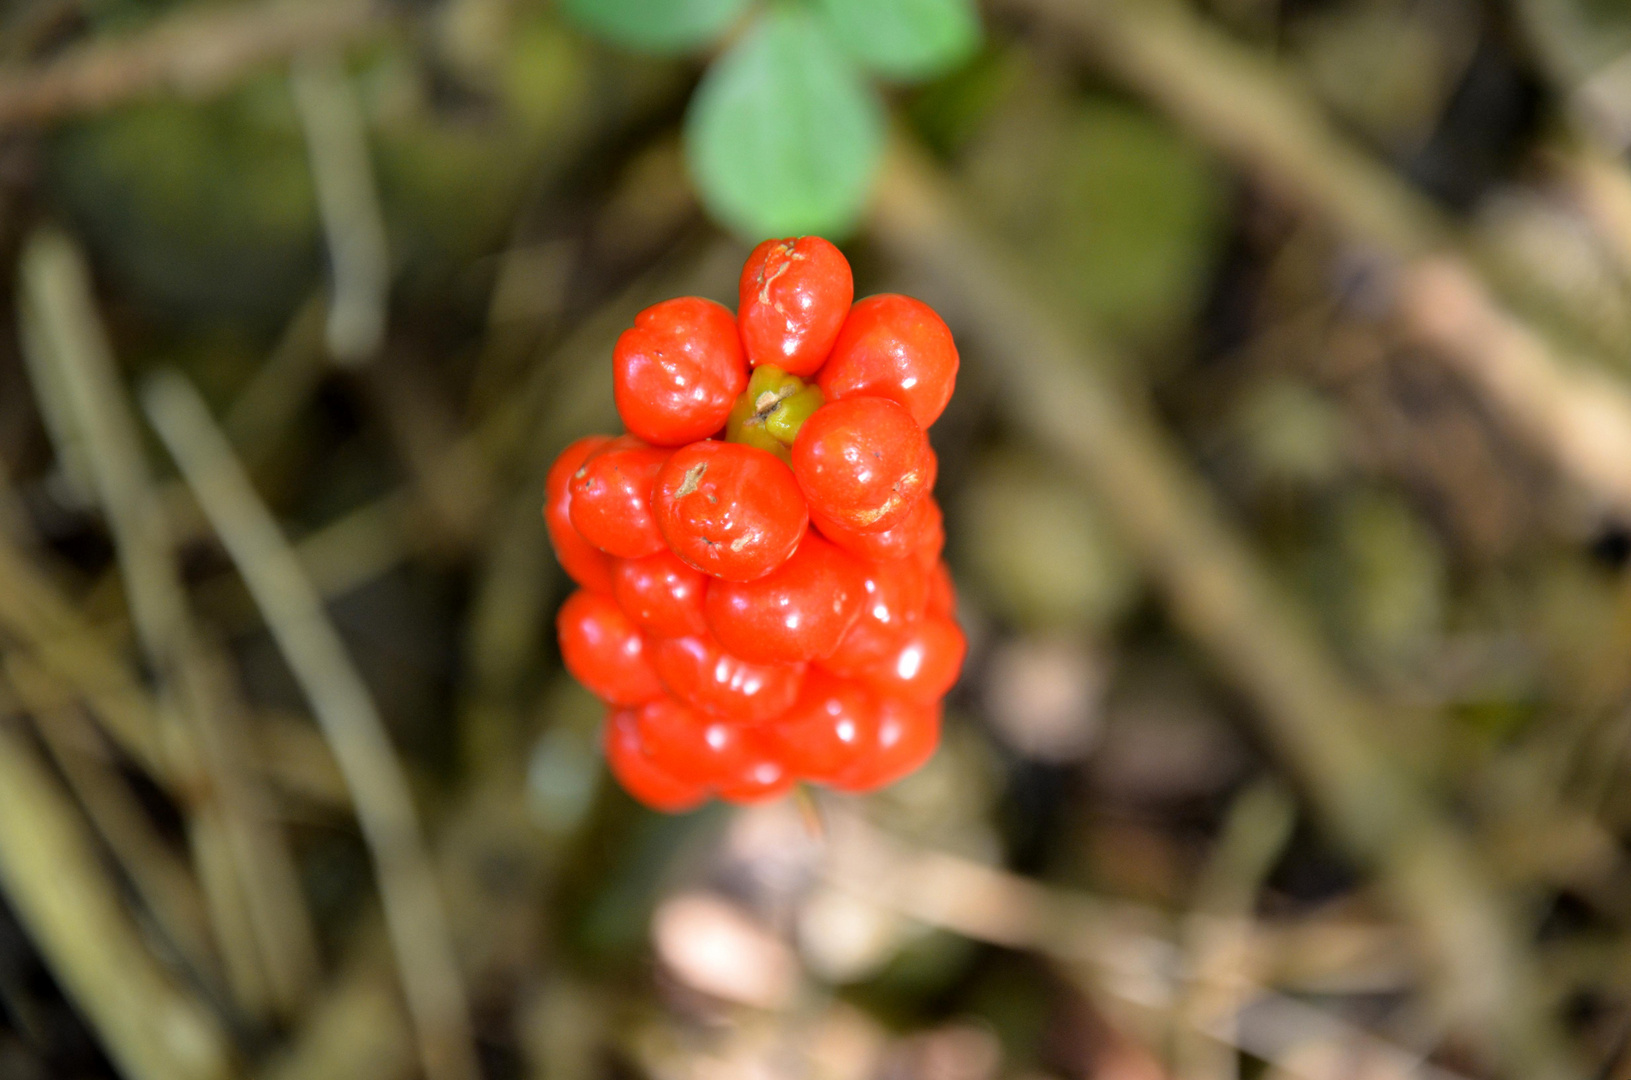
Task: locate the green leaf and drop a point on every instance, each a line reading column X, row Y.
column 906, row 39
column 656, row 25
column 783, row 135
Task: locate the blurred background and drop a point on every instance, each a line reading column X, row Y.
column 1288, row 491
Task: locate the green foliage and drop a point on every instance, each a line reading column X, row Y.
column 656, row 25
column 906, row 39
column 783, row 136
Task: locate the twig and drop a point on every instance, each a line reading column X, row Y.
column 1217, row 593
column 253, row 883
column 357, row 1031
column 191, row 53
column 1253, row 114
column 1125, row 949
column 344, row 554
column 71, row 459
column 161, row 879
column 150, row 1027
column 358, row 546
column 1588, row 68
column 359, row 260
column 1580, row 417
column 84, row 659
column 1600, row 185
column 1232, row 99
column 1216, row 937
column 299, row 764
column 280, row 388
column 345, row 711
column 36, row 612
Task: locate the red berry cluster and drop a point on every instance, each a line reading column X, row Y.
column 738, row 649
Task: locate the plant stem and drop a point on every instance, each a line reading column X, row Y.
column 345, row 711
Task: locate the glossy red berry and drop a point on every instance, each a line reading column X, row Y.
column 741, row 650
column 611, row 498
column 604, row 651
column 895, row 596
column 920, row 530
column 924, row 666
column 661, row 594
column 894, row 347
column 862, row 462
column 583, row 562
column 798, row 611
column 692, row 746
column 678, row 370
column 833, row 724
column 729, row 510
column 762, row 778
column 703, row 675
column 794, row 295
column 907, row 737
column 931, row 540
column 942, row 598
column 640, row 776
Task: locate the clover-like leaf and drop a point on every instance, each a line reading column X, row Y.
column 906, row 39
column 657, row 26
column 784, row 135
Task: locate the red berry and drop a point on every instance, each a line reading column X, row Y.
column 907, row 737
column 894, row 347
column 918, row 531
column 761, row 779
column 678, row 370
column 924, row 666
column 862, row 462
column 739, row 650
column 583, row 562
column 798, row 611
column 661, row 594
column 794, row 295
column 729, row 510
column 932, row 540
column 895, row 595
column 640, row 776
column 942, row 600
column 603, row 650
column 832, row 725
column 689, row 745
column 703, row 675
column 611, row 498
